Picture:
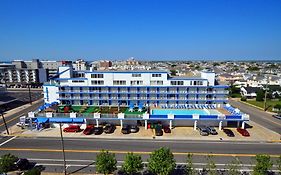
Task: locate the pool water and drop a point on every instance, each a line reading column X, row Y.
column 184, row 111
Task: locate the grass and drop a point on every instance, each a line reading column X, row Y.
column 269, row 104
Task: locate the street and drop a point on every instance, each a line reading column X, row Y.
column 82, row 152
column 262, row 118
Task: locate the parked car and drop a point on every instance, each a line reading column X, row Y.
column 167, row 129
column 109, row 128
column 212, row 130
column 228, row 132
column 89, row 130
column 125, row 129
column 97, row 130
column 203, row 130
column 158, row 131
column 243, row 132
column 134, row 129
column 22, row 164
column 72, row 128
column 278, row 116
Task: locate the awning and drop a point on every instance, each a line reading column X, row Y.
column 42, row 120
column 78, row 120
column 60, row 120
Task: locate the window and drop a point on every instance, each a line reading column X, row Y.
column 198, row 83
column 136, row 75
column 77, row 81
column 156, row 75
column 156, row 82
column 97, row 76
column 176, row 83
column 97, row 82
column 136, row 82
column 119, row 82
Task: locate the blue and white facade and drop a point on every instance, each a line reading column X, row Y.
column 124, row 88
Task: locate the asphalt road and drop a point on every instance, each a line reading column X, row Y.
column 258, row 116
column 82, row 152
column 13, row 119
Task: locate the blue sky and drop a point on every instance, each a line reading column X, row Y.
column 145, row 29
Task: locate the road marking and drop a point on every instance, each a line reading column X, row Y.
column 3, row 143
column 136, row 152
column 95, row 139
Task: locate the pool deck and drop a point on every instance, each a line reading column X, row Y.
column 220, row 110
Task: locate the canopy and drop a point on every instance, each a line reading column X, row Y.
column 77, row 120
column 42, row 120
column 60, row 120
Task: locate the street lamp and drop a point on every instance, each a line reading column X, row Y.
column 63, row 152
column 2, row 114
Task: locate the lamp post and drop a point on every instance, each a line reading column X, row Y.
column 63, row 152
column 2, row 114
column 29, row 93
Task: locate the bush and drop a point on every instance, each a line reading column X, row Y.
column 106, row 162
column 33, row 171
column 263, row 164
column 132, row 163
column 7, row 163
column 243, row 99
column 260, row 95
column 161, row 161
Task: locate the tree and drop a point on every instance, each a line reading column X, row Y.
column 132, row 163
column 173, row 72
column 278, row 162
column 33, row 171
column 263, row 164
column 260, row 95
column 189, row 167
column 161, row 161
column 234, row 167
column 211, row 166
column 7, row 163
column 106, row 162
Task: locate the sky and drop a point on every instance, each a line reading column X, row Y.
column 144, row 29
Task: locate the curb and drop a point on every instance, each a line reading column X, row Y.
column 141, row 138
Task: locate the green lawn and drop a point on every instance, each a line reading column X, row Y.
column 269, row 103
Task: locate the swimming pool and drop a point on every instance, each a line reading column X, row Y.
column 184, row 111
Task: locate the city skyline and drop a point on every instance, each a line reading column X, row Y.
column 193, row 30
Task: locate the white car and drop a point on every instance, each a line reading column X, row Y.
column 278, row 116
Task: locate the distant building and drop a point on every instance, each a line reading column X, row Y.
column 22, row 72
column 80, row 65
column 132, row 61
column 104, row 64
column 249, row 92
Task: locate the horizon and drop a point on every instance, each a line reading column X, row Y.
column 149, row 30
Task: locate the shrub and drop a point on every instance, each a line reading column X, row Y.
column 106, row 162
column 243, row 98
column 7, row 163
column 263, row 164
column 132, row 163
column 161, row 161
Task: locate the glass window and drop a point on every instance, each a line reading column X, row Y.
column 96, row 75
column 156, row 75
column 136, row 75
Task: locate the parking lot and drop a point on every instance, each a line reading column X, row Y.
column 257, row 133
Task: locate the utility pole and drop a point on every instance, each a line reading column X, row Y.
column 30, row 101
column 265, row 94
column 5, row 122
column 63, row 152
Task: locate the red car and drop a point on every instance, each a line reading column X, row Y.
column 89, row 130
column 243, row 132
column 72, row 128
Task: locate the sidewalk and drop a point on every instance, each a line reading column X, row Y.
column 258, row 134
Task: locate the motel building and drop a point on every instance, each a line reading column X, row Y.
column 137, row 97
